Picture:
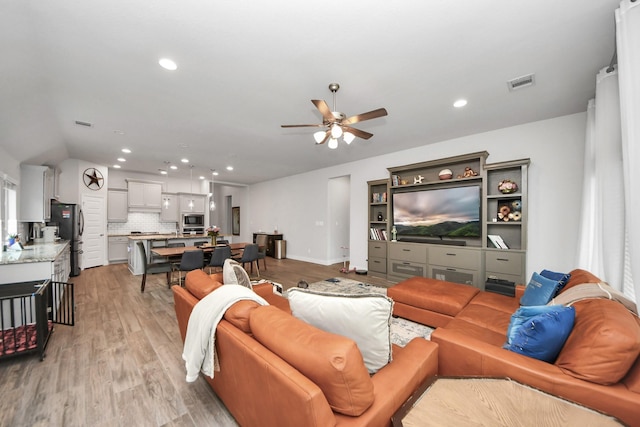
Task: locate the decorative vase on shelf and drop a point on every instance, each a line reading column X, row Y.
column 506, row 186
column 394, row 234
column 379, row 216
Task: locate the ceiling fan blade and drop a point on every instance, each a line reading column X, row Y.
column 324, row 110
column 380, row 112
column 301, row 126
column 357, row 132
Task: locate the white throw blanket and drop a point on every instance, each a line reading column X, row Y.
column 199, row 344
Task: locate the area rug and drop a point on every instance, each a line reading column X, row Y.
column 402, row 330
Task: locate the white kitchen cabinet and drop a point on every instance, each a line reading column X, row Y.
column 144, row 196
column 118, row 249
column 117, row 205
column 198, row 203
column 36, row 192
column 136, row 265
column 169, row 212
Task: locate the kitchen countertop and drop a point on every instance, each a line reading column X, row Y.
column 39, row 252
column 169, row 236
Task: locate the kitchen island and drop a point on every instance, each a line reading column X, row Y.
column 40, row 261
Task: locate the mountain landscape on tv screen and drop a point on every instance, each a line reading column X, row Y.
column 443, row 229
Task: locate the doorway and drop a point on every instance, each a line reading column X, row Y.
column 339, row 224
column 93, row 238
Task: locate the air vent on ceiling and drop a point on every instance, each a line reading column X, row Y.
column 521, row 82
column 81, row 123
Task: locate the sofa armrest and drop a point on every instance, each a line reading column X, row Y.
column 396, row 382
column 263, row 289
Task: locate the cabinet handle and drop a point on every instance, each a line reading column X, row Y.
column 502, row 259
column 450, row 254
column 407, row 250
column 406, row 263
column 451, row 269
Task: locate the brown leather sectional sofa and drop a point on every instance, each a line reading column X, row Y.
column 276, row 370
column 598, row 366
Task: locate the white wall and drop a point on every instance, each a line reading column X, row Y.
column 9, row 166
column 298, row 204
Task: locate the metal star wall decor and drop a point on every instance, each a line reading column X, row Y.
column 93, row 179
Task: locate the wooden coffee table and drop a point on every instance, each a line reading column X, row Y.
column 443, row 401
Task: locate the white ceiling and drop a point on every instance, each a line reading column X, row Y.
column 245, row 68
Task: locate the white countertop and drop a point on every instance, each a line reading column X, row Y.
column 39, row 252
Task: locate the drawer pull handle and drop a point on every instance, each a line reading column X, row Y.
column 451, row 269
column 377, row 247
column 406, row 263
column 502, row 259
column 407, row 250
column 450, row 254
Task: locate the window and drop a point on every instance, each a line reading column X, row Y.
column 9, row 212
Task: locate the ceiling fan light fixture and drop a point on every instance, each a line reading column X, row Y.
column 319, row 136
column 336, row 131
column 348, row 137
column 333, row 143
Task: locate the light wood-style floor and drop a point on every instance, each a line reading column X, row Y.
column 121, row 364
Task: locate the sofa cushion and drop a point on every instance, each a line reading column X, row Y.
column 200, row 284
column 539, row 290
column 540, row 331
column 604, row 343
column 434, row 295
column 486, row 317
column 238, row 314
column 561, row 278
column 234, row 274
column 331, row 361
column 364, row 318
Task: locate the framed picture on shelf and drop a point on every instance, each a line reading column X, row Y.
column 509, row 210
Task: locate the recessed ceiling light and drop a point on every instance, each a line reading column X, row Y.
column 460, row 103
column 122, row 159
column 215, row 173
column 126, row 150
column 184, row 160
column 168, row 64
column 116, row 166
column 163, row 172
column 174, row 167
column 229, row 168
column 201, row 177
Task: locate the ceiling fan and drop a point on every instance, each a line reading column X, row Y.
column 338, row 124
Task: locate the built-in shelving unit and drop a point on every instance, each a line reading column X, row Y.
column 469, row 257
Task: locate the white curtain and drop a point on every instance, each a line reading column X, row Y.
column 628, row 48
column 601, row 247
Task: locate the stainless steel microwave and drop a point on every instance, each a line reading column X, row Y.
column 192, row 220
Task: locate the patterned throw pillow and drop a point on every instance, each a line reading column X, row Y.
column 234, row 274
column 540, row 331
column 539, row 290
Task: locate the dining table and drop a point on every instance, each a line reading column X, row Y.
column 176, row 252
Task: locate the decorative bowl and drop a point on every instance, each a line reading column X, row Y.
column 445, row 174
column 506, row 186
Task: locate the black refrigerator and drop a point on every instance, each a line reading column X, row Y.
column 70, row 221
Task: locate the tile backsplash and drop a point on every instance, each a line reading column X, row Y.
column 144, row 222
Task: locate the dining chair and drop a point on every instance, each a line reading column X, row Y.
column 175, row 260
column 249, row 255
column 152, row 268
column 218, row 257
column 261, row 241
column 191, row 260
column 153, row 244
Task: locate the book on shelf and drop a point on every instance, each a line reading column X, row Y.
column 377, row 234
column 379, row 197
column 497, row 241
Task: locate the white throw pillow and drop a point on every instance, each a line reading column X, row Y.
column 366, row 319
column 234, row 274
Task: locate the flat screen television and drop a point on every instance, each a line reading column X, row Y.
column 437, row 213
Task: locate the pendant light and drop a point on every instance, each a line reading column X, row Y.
column 191, row 203
column 166, row 201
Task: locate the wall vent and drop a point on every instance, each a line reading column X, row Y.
column 81, row 123
column 521, row 82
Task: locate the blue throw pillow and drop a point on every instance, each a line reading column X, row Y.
column 540, row 331
column 539, row 290
column 561, row 278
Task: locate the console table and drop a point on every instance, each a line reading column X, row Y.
column 443, row 401
column 271, row 242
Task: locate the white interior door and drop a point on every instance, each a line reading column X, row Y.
column 93, row 238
